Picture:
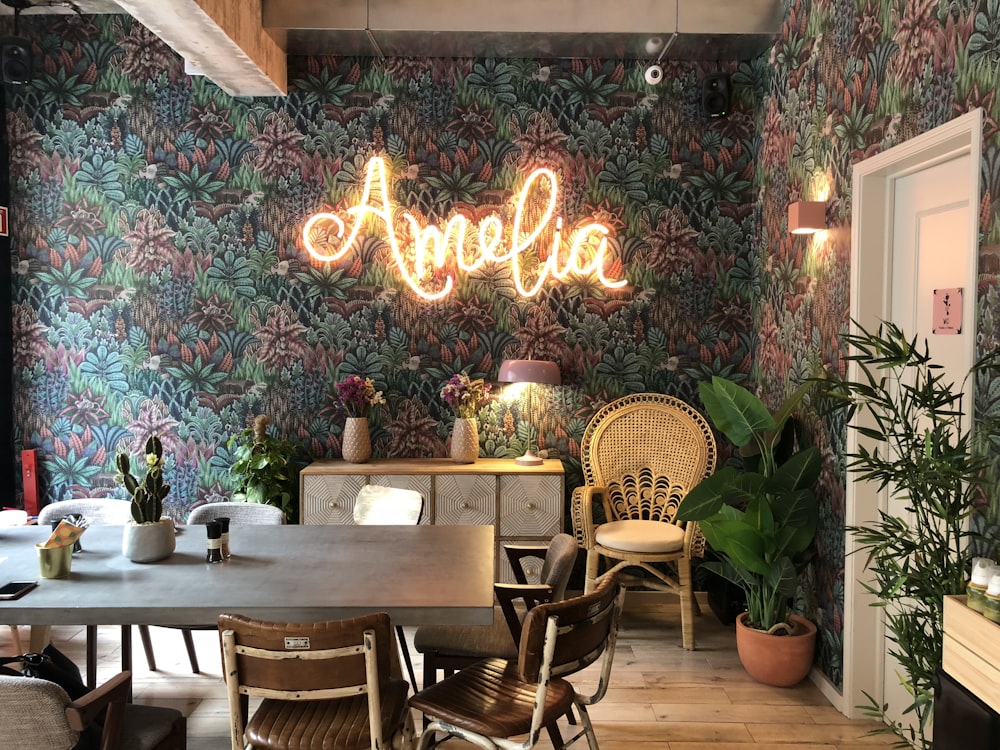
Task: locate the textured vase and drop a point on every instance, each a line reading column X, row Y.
column 149, row 542
column 465, row 441
column 356, row 444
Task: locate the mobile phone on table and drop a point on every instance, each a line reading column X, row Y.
column 16, row 589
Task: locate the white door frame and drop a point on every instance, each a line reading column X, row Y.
column 871, row 286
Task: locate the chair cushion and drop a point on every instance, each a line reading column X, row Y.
column 145, row 727
column 631, row 535
column 468, row 640
column 489, row 699
column 326, row 724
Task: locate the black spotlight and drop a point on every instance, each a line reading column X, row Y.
column 716, row 94
column 15, row 59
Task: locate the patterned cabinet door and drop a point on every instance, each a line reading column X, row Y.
column 421, row 483
column 329, row 498
column 466, row 499
column 531, row 505
column 532, row 565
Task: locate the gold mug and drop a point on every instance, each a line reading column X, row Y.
column 54, row 562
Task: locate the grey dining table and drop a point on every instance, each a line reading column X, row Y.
column 419, row 575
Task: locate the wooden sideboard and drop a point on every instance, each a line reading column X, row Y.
column 522, row 503
column 971, row 653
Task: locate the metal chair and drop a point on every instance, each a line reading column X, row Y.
column 99, row 511
column 450, row 647
column 640, row 456
column 325, row 684
column 37, row 714
column 496, row 699
column 238, row 514
column 376, row 505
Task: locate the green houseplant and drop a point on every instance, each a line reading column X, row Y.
column 761, row 519
column 149, row 537
column 916, row 446
column 267, row 468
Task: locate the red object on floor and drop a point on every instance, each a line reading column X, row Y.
column 29, row 473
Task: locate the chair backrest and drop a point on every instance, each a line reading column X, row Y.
column 247, row 514
column 648, row 450
column 561, row 638
column 557, row 567
column 100, row 511
column 306, row 661
column 376, row 505
column 33, row 715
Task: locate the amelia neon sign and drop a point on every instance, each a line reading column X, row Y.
column 428, row 255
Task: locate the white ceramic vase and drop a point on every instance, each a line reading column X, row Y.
column 465, row 441
column 149, row 542
column 356, row 443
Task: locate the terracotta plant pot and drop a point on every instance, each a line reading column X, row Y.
column 778, row 660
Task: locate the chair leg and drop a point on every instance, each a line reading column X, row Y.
column 687, row 604
column 593, row 563
column 147, row 646
column 401, row 637
column 189, row 645
column 588, row 728
column 91, row 656
column 15, row 636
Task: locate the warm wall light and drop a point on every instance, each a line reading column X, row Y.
column 529, row 371
column 806, row 217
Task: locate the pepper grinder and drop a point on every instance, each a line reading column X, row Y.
column 214, row 552
column 223, row 521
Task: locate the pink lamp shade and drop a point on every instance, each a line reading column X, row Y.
column 529, row 371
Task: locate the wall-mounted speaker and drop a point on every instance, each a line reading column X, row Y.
column 716, row 94
column 15, row 59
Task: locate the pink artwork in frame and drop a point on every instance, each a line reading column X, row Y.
column 947, row 311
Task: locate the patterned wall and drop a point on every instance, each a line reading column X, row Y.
column 161, row 285
column 852, row 78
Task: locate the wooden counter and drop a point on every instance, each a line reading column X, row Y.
column 972, row 650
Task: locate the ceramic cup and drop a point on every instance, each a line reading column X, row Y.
column 54, row 562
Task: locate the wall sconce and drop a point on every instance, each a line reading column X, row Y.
column 529, row 371
column 806, row 217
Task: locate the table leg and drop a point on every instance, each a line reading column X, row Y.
column 41, row 635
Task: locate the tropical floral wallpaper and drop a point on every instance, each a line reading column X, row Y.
column 161, row 285
column 851, row 78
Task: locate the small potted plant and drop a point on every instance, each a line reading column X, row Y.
column 267, row 468
column 761, row 522
column 148, row 537
column 357, row 396
column 465, row 396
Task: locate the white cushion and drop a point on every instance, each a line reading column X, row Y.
column 657, row 537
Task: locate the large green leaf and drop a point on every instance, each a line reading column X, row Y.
column 734, row 411
column 799, row 471
column 739, row 541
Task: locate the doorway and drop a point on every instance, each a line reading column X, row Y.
column 885, row 286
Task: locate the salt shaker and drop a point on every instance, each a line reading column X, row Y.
column 214, row 552
column 223, row 521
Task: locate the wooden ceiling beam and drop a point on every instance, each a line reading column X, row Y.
column 222, row 39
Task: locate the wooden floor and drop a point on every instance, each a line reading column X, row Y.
column 660, row 697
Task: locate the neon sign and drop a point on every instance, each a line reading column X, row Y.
column 428, row 256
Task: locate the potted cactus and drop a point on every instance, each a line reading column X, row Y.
column 148, row 537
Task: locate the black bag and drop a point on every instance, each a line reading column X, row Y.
column 53, row 665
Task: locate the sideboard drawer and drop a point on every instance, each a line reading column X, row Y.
column 329, row 498
column 416, row 482
column 469, row 499
column 530, row 506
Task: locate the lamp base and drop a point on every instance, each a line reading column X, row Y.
column 529, row 459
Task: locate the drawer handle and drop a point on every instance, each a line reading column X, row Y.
column 531, row 506
column 466, row 505
column 334, row 505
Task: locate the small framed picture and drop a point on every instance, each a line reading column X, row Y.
column 947, row 317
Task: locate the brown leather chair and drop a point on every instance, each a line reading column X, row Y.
column 38, row 715
column 495, row 699
column 323, row 685
column 447, row 648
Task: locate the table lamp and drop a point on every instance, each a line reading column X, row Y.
column 529, row 371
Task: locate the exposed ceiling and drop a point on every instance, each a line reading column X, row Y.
column 243, row 44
